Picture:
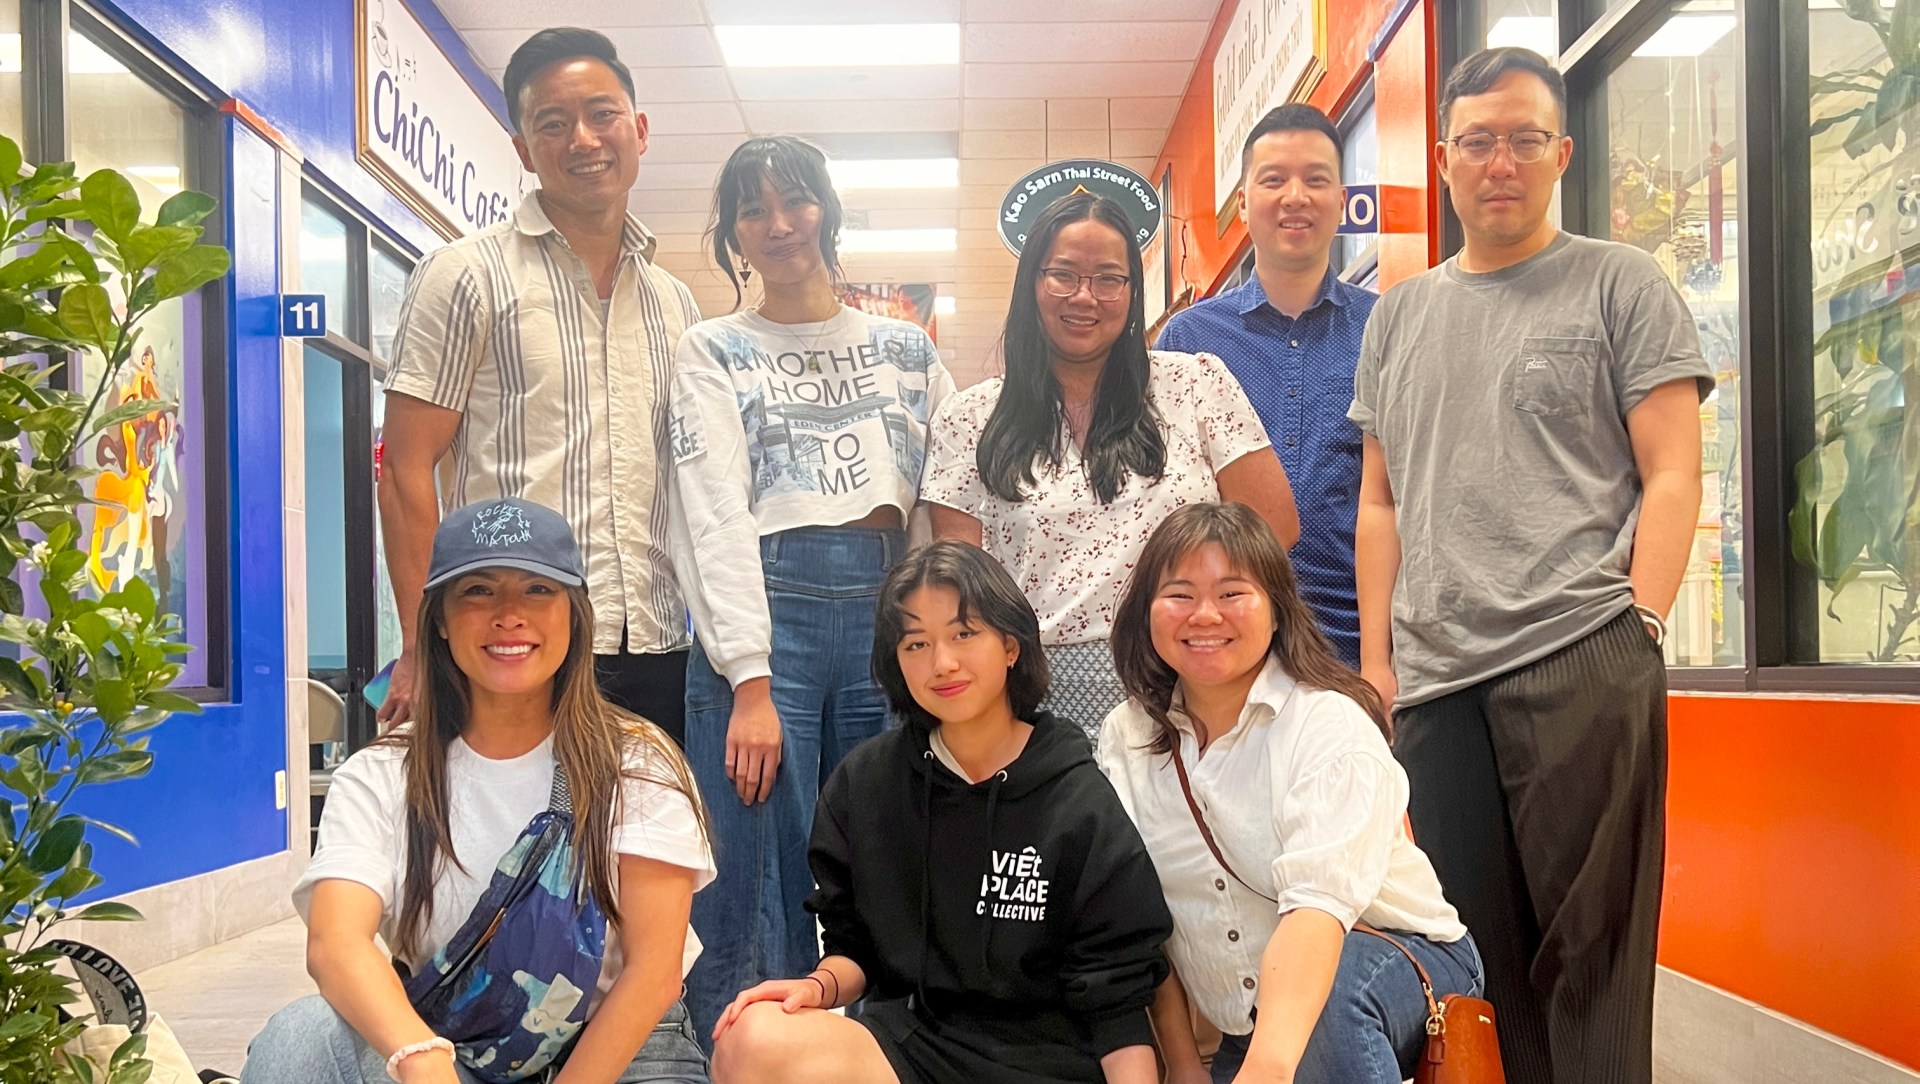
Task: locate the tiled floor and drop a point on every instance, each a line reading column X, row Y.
column 217, row 999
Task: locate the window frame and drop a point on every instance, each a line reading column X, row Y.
column 362, row 373
column 47, row 137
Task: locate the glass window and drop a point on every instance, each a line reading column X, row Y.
column 326, row 517
column 13, row 110
column 148, row 518
column 1359, row 164
column 324, row 266
column 386, row 288
column 1531, row 24
column 1671, row 128
column 386, row 614
column 1854, row 491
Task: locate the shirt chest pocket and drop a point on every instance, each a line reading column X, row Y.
column 1553, row 377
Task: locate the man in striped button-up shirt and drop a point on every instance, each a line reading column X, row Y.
column 532, row 359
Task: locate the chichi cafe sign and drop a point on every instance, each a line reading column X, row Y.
column 423, row 130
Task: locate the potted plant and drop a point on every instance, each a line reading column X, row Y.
column 83, row 676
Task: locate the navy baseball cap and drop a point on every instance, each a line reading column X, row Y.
column 508, row 533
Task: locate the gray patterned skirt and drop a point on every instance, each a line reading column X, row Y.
column 1085, row 688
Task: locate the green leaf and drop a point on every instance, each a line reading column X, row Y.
column 92, row 629
column 71, row 209
column 172, row 702
column 57, row 845
column 111, row 829
column 191, row 270
column 65, row 565
column 12, row 599
column 14, row 677
column 71, row 883
column 109, row 911
column 113, row 767
column 86, row 311
column 185, row 209
column 111, row 202
column 22, row 1025
column 127, row 412
column 113, row 699
column 32, row 270
column 149, row 245
column 10, row 161
column 137, row 597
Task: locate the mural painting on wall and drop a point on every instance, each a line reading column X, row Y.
column 909, row 301
column 135, row 526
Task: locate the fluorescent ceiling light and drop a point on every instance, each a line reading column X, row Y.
column 1536, row 32
column 943, row 305
column 865, row 45
column 852, row 173
column 1688, row 35
column 939, row 240
column 9, row 52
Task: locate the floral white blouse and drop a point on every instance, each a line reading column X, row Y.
column 1069, row 553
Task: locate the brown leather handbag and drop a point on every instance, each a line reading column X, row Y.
column 1462, row 1045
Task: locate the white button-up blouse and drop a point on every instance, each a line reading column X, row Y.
column 1305, row 801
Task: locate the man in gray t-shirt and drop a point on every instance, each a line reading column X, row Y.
column 1531, row 483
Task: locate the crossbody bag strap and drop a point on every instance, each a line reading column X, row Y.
column 1200, row 822
column 1435, row 1020
column 560, row 798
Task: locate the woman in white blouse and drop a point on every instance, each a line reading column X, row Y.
column 1061, row 468
column 1240, row 717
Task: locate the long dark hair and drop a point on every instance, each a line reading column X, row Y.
column 790, row 163
column 591, row 740
column 988, row 597
column 1123, row 434
column 1253, row 552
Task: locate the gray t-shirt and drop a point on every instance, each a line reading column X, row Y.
column 1500, row 401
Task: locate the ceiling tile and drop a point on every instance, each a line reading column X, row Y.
column 995, row 172
column 1076, row 113
column 1134, row 142
column 1144, row 79
column 1103, row 11
column 1085, row 42
column 1004, row 113
column 672, row 175
column 681, row 85
column 846, row 84
column 670, row 200
column 1144, row 112
column 888, row 115
column 693, row 118
column 791, row 12
column 1021, row 144
column 1073, row 143
column 648, row 47
column 599, row 14
column 690, row 149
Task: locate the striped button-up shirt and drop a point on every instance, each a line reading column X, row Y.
column 558, row 403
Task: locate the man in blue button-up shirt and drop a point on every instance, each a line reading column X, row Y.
column 1291, row 335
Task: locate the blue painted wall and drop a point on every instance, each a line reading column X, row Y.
column 209, row 802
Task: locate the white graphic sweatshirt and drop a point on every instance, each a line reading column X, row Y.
column 778, row 426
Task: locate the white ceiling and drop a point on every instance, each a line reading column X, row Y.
column 1039, row 80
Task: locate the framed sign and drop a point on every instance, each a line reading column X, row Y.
column 1274, row 52
column 1057, row 180
column 424, row 132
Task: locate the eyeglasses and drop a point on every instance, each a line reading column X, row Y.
column 1528, row 145
column 1061, row 282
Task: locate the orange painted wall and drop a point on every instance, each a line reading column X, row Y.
column 1793, row 860
column 1403, row 97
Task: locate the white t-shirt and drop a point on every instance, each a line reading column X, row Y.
column 778, row 426
column 1070, row 554
column 364, row 830
column 1306, row 802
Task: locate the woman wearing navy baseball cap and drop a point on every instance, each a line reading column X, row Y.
column 529, row 851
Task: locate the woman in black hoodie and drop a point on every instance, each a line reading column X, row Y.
column 979, row 883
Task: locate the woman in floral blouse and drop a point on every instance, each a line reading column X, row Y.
column 1096, row 441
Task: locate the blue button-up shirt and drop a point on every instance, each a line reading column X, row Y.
column 1299, row 375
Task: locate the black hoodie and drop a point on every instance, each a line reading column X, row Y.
column 1028, row 897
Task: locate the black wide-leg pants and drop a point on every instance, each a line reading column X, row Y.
column 1540, row 796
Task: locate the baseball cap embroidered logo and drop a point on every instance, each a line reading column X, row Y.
column 509, row 533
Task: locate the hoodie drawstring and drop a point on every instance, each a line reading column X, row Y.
column 993, row 803
column 926, row 881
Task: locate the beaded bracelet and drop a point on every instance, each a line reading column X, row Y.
column 409, row 1050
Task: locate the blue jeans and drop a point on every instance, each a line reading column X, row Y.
column 822, row 583
column 1374, row 1026
column 309, row 1043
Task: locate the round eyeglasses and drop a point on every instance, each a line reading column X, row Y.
column 1528, row 145
column 1061, row 282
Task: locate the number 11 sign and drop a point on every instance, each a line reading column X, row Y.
column 303, row 316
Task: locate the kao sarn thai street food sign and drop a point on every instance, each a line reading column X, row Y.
column 424, row 132
column 1056, row 181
